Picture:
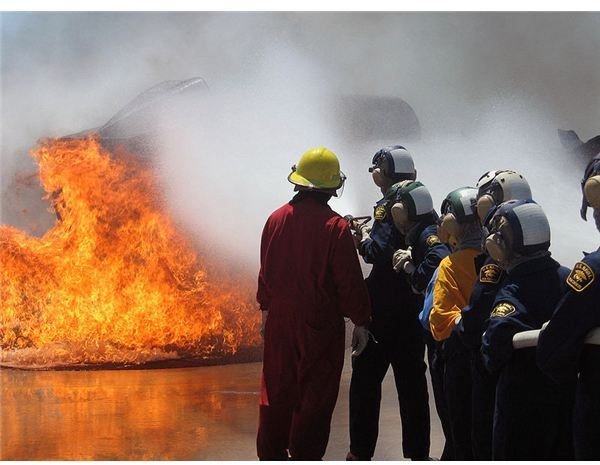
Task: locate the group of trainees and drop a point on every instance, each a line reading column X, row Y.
column 512, row 335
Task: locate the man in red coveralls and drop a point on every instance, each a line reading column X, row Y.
column 310, row 279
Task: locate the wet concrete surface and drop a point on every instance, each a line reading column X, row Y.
column 203, row 413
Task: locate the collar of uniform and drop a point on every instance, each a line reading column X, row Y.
column 533, row 265
column 315, row 197
column 416, row 234
column 469, row 243
column 381, row 202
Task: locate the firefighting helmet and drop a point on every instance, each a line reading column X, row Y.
column 318, row 169
column 393, row 162
column 498, row 186
column 410, row 201
column 516, row 227
column 590, row 186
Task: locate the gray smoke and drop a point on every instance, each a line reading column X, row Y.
column 490, row 90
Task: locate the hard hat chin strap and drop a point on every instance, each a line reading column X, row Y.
column 333, row 192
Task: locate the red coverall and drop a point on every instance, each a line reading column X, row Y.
column 310, row 278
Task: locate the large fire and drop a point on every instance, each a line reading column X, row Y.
column 114, row 281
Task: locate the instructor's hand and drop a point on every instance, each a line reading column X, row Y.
column 360, row 339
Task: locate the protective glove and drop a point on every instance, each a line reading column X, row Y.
column 364, row 231
column 265, row 314
column 360, row 339
column 360, row 234
column 400, row 258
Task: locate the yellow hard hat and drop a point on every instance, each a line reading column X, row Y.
column 318, row 168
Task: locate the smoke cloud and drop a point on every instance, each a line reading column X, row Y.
column 490, row 90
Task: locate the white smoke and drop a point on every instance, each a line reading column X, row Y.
column 490, row 90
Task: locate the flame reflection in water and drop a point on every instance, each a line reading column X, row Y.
column 169, row 414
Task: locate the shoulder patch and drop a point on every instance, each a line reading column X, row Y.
column 490, row 273
column 503, row 309
column 432, row 240
column 380, row 213
column 580, row 277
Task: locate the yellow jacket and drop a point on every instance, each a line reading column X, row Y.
column 452, row 291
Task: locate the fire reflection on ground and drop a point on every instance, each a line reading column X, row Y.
column 204, row 413
column 170, row 414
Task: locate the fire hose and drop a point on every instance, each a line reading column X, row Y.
column 358, row 226
column 526, row 339
column 356, row 222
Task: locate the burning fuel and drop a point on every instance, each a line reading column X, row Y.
column 115, row 281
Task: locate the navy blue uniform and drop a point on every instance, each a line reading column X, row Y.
column 561, row 352
column 400, row 344
column 532, row 417
column 457, row 386
column 427, row 253
column 473, row 323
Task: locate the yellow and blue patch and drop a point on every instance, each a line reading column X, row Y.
column 432, row 240
column 580, row 277
column 490, row 273
column 380, row 213
column 503, row 309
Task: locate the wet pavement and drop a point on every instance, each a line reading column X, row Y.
column 203, row 413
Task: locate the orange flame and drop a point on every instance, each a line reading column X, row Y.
column 114, row 281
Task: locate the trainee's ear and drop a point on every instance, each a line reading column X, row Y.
column 399, row 214
column 378, row 177
column 484, row 205
column 497, row 248
column 450, row 225
column 591, row 190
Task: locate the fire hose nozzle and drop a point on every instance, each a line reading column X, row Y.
column 356, row 221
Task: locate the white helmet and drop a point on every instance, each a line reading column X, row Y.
column 495, row 187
